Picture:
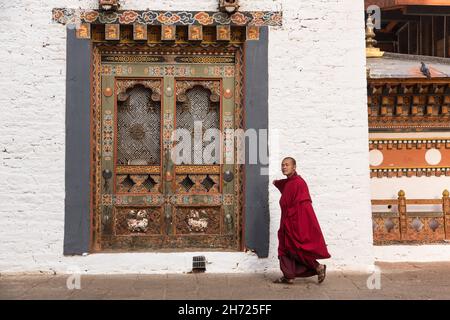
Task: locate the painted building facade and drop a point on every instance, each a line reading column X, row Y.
column 79, row 194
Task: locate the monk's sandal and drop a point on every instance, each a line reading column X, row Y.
column 284, row 280
column 321, row 273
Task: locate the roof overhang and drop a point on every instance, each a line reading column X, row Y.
column 395, row 4
column 404, row 66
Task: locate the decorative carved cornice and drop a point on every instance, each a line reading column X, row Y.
column 154, row 85
column 409, row 157
column 396, row 106
column 184, row 85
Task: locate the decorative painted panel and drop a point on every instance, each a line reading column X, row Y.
column 409, row 157
column 151, row 17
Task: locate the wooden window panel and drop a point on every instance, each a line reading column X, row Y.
column 426, row 35
column 439, row 36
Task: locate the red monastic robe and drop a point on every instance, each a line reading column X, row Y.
column 299, row 234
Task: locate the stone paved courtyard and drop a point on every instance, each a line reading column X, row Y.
column 398, row 281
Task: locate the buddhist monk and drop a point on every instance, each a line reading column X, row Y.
column 300, row 238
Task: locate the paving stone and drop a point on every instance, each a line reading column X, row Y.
column 398, row 281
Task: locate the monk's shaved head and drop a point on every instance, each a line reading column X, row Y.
column 292, row 159
column 288, row 166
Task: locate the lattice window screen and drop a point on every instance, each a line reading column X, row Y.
column 198, row 107
column 139, row 128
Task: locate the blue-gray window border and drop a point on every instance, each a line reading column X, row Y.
column 77, row 224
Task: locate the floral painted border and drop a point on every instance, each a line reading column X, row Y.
column 251, row 18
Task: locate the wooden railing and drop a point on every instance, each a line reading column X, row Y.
column 412, row 227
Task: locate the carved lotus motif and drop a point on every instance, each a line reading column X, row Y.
column 137, row 221
column 195, row 223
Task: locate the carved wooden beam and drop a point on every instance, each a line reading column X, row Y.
column 178, row 18
column 396, row 105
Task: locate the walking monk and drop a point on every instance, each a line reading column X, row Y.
column 300, row 239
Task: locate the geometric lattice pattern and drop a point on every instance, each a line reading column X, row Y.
column 208, row 183
column 197, row 183
column 198, row 107
column 187, row 183
column 139, row 124
column 137, row 183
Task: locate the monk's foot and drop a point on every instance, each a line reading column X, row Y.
column 284, row 280
column 321, row 272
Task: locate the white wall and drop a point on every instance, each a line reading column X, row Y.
column 414, row 187
column 317, row 103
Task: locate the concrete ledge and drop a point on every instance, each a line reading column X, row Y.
column 412, row 253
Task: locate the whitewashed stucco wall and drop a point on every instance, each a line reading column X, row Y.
column 317, row 104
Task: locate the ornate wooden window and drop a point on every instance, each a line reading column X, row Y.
column 143, row 199
column 134, row 202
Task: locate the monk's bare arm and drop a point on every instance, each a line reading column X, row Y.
column 279, row 184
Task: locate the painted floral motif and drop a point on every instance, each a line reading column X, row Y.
column 107, row 200
column 154, row 200
column 182, row 71
column 167, row 132
column 228, row 199
column 156, row 71
column 107, row 135
column 119, row 200
column 192, row 199
column 108, row 70
column 229, row 145
column 228, row 121
column 229, row 71
column 169, row 71
column 220, row 71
